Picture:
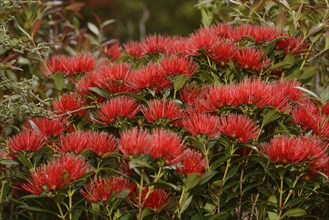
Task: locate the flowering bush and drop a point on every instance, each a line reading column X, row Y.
column 209, row 126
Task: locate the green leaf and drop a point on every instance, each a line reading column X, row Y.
column 179, row 82
column 59, row 81
column 101, row 92
column 207, row 177
column 23, row 159
column 36, row 209
column 187, row 202
column 270, row 117
column 308, row 72
column 192, row 180
column 297, row 212
column 8, row 162
column 232, row 171
column 136, row 162
column 219, row 216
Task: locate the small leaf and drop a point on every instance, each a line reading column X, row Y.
column 136, row 162
column 270, row 117
column 59, row 81
column 308, row 72
column 22, row 158
column 101, row 92
column 207, row 177
column 220, row 216
column 297, row 212
column 316, row 28
column 8, row 162
column 179, row 82
column 93, row 28
column 187, row 202
column 192, row 180
column 281, row 19
column 308, row 92
column 24, row 32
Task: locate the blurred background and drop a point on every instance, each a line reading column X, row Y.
column 136, row 18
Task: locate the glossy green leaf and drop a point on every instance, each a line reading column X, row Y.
column 270, row 116
column 297, row 212
column 192, row 180
column 101, row 92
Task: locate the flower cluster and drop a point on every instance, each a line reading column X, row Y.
column 171, row 123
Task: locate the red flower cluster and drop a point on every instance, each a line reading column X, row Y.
column 120, row 106
column 103, row 189
column 238, row 127
column 70, row 104
column 156, row 199
column 162, row 109
column 292, row 150
column 254, row 92
column 69, row 65
column 49, row 127
column 160, row 143
column 56, row 175
column 77, row 142
column 113, row 78
column 192, row 161
column 27, row 141
column 310, row 117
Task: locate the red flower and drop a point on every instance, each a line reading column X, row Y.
column 156, row 199
column 73, row 142
column 165, row 144
column 150, row 76
column 49, row 127
column 178, row 46
column 307, row 116
column 177, row 66
column 251, row 59
column 218, row 97
column 291, row 150
column 102, row 189
column 26, row 140
column 121, row 106
column 239, row 32
column 239, row 127
column 189, row 93
column 134, row 48
column 264, row 33
column 205, row 124
column 162, row 109
column 101, row 143
column 86, row 82
column 70, row 103
column 154, row 44
column 113, row 78
column 134, row 142
column 69, row 65
column 223, row 30
column 112, row 50
column 251, row 92
column 291, row 44
column 325, row 108
column 222, row 52
column 202, row 39
column 193, row 161
column 56, row 175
